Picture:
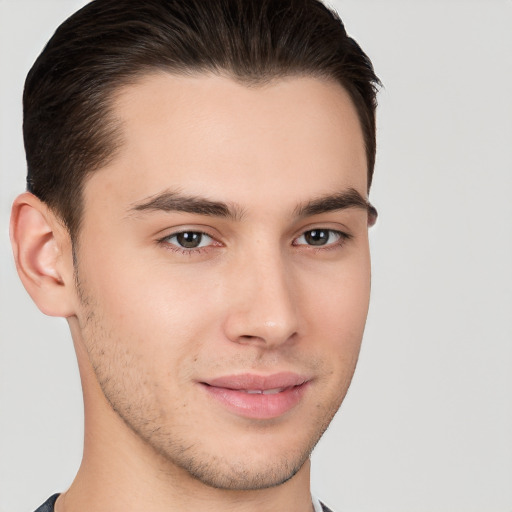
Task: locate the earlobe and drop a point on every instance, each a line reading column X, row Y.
column 41, row 246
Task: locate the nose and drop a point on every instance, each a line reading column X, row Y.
column 263, row 306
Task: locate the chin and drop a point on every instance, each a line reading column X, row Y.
column 244, row 475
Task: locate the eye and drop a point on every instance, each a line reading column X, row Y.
column 321, row 237
column 189, row 240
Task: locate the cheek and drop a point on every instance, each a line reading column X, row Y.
column 335, row 316
column 149, row 308
column 340, row 301
column 143, row 331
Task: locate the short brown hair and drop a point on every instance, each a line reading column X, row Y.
column 68, row 127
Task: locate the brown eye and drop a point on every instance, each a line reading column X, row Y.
column 321, row 237
column 189, row 240
column 317, row 237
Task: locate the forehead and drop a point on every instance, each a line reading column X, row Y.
column 216, row 137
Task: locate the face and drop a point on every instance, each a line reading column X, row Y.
column 224, row 272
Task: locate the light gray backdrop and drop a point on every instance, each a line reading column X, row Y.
column 427, row 424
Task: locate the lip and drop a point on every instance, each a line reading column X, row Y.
column 258, row 396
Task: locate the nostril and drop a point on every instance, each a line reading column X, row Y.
column 249, row 337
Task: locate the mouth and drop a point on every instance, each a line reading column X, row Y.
column 256, row 396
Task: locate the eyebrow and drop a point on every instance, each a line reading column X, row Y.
column 168, row 201
column 349, row 198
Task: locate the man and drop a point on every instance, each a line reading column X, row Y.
column 197, row 209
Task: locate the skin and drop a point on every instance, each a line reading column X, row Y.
column 151, row 320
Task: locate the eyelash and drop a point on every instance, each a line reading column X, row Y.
column 183, row 250
column 343, row 238
column 340, row 242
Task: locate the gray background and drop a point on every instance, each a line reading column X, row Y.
column 427, row 424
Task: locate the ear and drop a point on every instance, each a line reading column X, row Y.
column 43, row 255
